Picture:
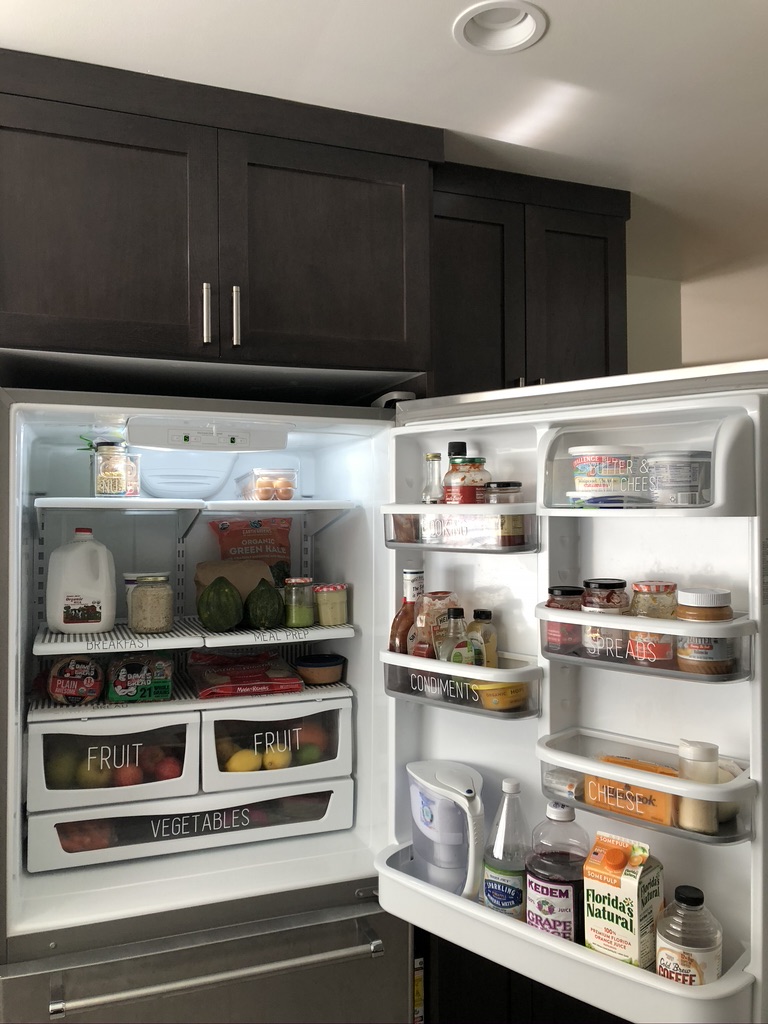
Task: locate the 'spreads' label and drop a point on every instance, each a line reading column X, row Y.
column 688, row 966
column 551, row 907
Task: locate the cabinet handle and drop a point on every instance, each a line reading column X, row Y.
column 541, row 380
column 236, row 315
column 206, row 314
column 519, row 382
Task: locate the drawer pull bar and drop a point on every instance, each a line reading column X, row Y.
column 236, row 315
column 206, row 314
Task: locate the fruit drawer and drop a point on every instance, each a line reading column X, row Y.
column 109, row 759
column 265, row 745
column 57, row 840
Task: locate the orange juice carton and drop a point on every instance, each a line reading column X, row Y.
column 628, row 799
column 623, row 897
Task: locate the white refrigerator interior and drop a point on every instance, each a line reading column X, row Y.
column 355, row 517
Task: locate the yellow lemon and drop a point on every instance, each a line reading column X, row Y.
column 225, row 748
column 277, row 759
column 244, row 761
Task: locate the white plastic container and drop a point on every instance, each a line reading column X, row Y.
column 80, row 590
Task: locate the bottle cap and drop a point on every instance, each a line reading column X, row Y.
column 605, row 584
column 455, row 613
column 698, row 750
column 457, row 448
column 433, row 456
column 510, row 786
column 566, row 591
column 689, row 896
column 483, row 614
column 498, row 484
column 560, row 812
column 702, row 597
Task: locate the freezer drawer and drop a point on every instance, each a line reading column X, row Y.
column 67, row 839
column 111, row 758
column 345, row 963
column 278, row 743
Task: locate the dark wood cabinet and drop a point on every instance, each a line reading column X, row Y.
column 528, row 280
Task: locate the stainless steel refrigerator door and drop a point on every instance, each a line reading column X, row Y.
column 341, row 964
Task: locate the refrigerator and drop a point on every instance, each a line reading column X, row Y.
column 261, row 895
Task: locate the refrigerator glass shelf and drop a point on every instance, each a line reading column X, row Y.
column 612, row 639
column 507, row 692
column 573, row 772
column 187, row 633
column 592, row 977
column 504, row 529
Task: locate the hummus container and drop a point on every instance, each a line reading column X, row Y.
column 597, row 469
column 680, row 479
column 501, row 696
column 320, row 669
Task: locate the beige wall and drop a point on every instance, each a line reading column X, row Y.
column 653, row 324
column 725, row 318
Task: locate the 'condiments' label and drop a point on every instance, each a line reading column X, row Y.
column 550, row 907
column 685, row 965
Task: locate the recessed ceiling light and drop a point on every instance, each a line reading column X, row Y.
column 499, row 26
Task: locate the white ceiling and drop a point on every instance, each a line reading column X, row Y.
column 665, row 98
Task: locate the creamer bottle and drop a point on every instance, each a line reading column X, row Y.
column 689, row 940
column 80, row 590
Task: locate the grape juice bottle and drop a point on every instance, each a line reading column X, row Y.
column 555, row 883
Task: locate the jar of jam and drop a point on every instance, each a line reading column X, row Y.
column 653, row 599
column 564, row 637
column 508, row 531
column 299, row 602
column 705, row 655
column 464, row 483
column 604, row 596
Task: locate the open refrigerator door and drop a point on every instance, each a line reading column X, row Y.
column 601, row 724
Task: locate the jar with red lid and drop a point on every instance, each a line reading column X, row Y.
column 653, row 599
column 464, row 483
column 331, row 601
column 299, row 602
column 604, row 596
column 564, row 637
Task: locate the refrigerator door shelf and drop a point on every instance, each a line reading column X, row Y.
column 510, row 692
column 573, row 772
column 295, row 743
column 615, row 651
column 187, row 633
column 70, row 839
column 582, row 973
column 503, row 529
column 75, row 763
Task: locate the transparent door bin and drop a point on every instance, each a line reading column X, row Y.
column 498, row 528
column 640, row 784
column 269, row 745
column 57, row 840
column 699, row 463
column 510, row 691
column 111, row 760
column 607, row 641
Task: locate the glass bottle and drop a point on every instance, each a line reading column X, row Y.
column 555, row 883
column 433, row 480
column 299, row 602
column 506, row 853
column 402, row 633
column 689, row 940
column 483, row 634
column 456, row 646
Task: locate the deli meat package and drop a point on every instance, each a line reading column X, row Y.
column 236, row 675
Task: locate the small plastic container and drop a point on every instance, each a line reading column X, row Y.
column 150, row 608
column 705, row 655
column 680, row 478
column 267, row 484
column 331, row 601
column 299, row 602
column 320, row 669
column 600, row 468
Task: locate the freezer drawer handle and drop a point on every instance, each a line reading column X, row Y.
column 236, row 315
column 206, row 314
column 371, row 946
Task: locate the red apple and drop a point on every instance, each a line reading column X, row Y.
column 149, row 756
column 168, row 768
column 127, row 775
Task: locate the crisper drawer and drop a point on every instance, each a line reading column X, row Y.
column 111, row 758
column 270, row 743
column 69, row 839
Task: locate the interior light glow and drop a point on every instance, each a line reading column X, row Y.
column 540, row 119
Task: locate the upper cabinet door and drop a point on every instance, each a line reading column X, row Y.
column 329, row 249
column 108, row 231
column 576, row 299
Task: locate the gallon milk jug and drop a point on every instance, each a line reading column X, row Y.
column 80, row 592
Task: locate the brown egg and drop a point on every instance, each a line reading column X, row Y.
column 265, row 489
column 283, row 488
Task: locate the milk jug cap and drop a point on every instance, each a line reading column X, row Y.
column 510, row 786
column 560, row 812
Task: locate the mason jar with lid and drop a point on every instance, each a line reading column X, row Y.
column 331, row 600
column 464, row 483
column 564, row 637
column 654, row 599
column 299, row 602
column 604, row 596
column 150, row 608
column 109, row 469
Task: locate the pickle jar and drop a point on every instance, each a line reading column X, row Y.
column 299, row 601
column 604, row 596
